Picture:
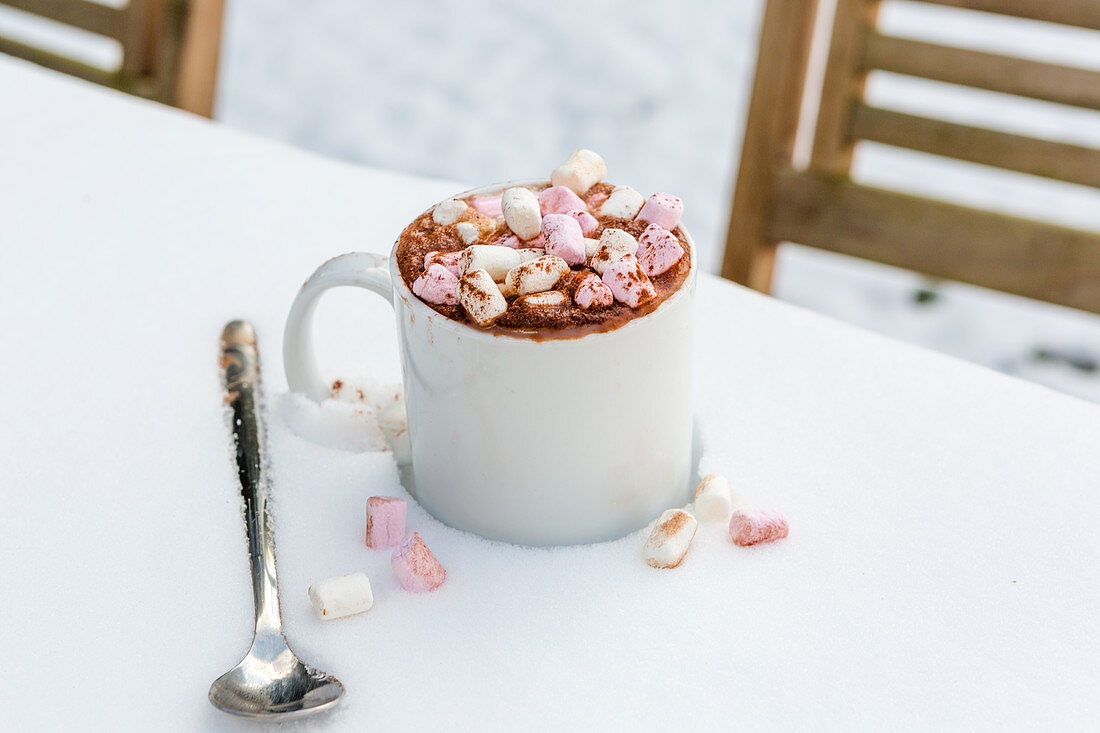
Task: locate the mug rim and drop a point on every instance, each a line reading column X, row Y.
column 420, row 308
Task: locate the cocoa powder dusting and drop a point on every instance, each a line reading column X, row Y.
column 567, row 320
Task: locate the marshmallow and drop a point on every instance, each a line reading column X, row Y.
column 713, row 499
column 385, row 521
column 662, row 209
column 508, row 291
column 614, row 245
column 590, row 292
column 580, row 171
column 558, row 200
column 623, row 203
column 537, row 275
column 479, row 295
column 511, row 240
column 416, row 567
column 497, row 261
column 450, row 260
column 628, row 282
column 596, row 200
column 542, row 300
column 658, row 250
column 395, row 429
column 488, row 205
column 341, row 596
column 526, row 254
column 521, row 212
column 437, row 285
column 749, row 527
column 449, row 211
column 563, row 238
column 670, row 539
column 467, row 232
column 587, row 221
column 590, row 247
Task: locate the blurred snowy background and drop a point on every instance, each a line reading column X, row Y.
column 486, row 90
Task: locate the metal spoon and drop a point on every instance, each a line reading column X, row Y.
column 270, row 682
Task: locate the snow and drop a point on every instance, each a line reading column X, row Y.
column 488, row 90
column 940, row 573
column 352, row 419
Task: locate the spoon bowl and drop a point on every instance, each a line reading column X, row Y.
column 270, row 681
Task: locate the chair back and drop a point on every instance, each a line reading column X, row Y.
column 820, row 206
column 169, row 47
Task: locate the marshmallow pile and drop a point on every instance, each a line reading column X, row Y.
column 547, row 246
column 668, row 543
column 415, row 566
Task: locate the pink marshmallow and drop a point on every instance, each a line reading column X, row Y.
column 563, row 237
column 749, row 527
column 447, row 259
column 488, row 205
column 558, row 200
column 662, row 209
column 416, row 567
column 587, row 221
column 385, row 521
column 592, row 293
column 628, row 282
column 658, row 250
column 596, row 199
column 437, row 285
column 511, row 240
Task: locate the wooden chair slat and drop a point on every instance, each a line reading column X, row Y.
column 1056, row 160
column 981, row 70
column 93, row 17
column 769, row 136
column 1079, row 13
column 169, row 47
column 63, row 64
column 989, row 249
column 832, row 150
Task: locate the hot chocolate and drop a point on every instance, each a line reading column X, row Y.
column 546, row 261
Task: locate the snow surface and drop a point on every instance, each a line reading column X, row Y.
column 487, row 90
column 941, row 572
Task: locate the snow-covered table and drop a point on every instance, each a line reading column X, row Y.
column 942, row 570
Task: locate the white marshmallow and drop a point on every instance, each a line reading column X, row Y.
column 449, row 211
column 468, row 232
column 537, row 275
column 543, row 299
column 590, row 247
column 479, row 295
column 713, row 499
column 526, row 254
column 508, row 291
column 522, row 212
column 497, row 261
column 623, row 203
column 670, row 539
column 580, row 171
column 614, row 245
column 341, row 596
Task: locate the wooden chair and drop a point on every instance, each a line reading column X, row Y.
column 821, row 207
column 169, row 47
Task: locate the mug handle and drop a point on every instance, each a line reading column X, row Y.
column 359, row 269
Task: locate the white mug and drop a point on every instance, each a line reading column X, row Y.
column 552, row 442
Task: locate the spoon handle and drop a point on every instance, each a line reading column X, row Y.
column 240, row 364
